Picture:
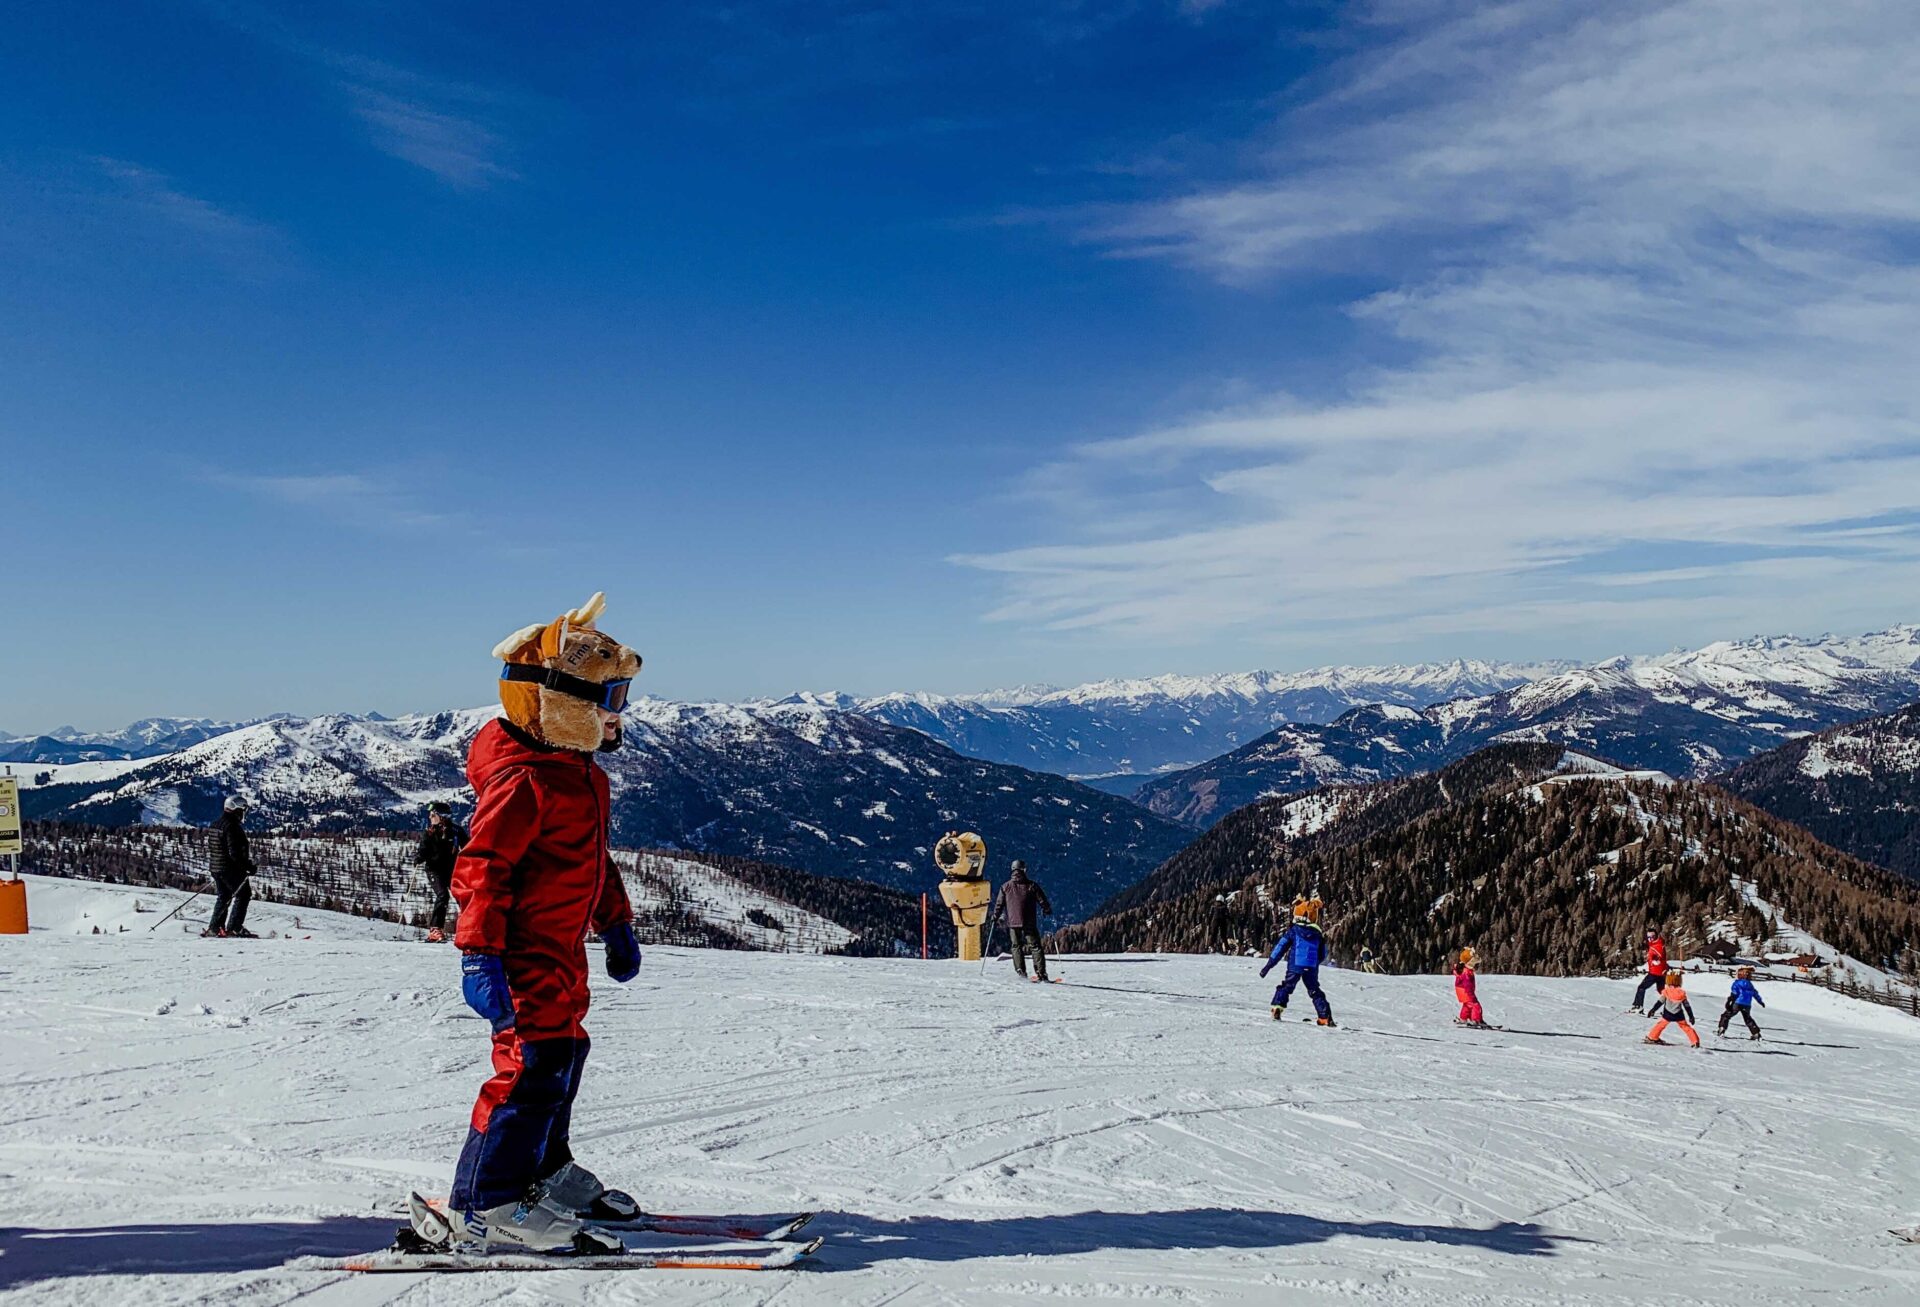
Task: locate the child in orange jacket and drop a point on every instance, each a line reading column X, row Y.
column 1463, row 989
column 1675, row 1009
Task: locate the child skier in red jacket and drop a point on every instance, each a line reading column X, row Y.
column 534, row 877
column 1463, row 989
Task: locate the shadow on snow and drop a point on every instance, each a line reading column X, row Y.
column 855, row 1241
column 27, row 1255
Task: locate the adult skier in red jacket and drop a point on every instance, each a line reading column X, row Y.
column 534, row 877
column 1656, row 968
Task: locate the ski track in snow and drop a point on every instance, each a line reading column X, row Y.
column 184, row 1116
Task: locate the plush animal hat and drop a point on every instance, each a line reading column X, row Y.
column 558, row 672
column 1306, row 909
column 1466, row 957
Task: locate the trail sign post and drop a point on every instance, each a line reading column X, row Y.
column 13, row 893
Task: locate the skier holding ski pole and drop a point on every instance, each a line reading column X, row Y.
column 230, row 864
column 176, row 912
column 1019, row 904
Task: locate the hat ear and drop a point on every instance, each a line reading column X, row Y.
column 588, row 613
column 516, row 646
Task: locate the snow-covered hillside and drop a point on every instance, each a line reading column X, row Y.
column 800, row 784
column 182, row 1118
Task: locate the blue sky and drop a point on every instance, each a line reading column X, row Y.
column 940, row 346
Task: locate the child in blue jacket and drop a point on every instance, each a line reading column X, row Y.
column 1741, row 1000
column 1302, row 947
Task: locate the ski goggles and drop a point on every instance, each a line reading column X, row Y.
column 608, row 695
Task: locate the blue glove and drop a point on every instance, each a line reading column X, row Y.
column 483, row 979
column 1264, row 970
column 623, row 952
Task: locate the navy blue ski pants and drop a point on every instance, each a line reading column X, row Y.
column 521, row 1124
column 1311, row 975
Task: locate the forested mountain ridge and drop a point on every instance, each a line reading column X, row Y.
column 1333, row 816
column 1856, row 786
column 1554, row 873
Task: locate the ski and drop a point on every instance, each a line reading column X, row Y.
column 782, row 1228
column 1911, row 1233
column 766, row 1229
column 739, row 1257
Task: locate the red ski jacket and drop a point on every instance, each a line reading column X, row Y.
column 1657, row 958
column 1463, row 984
column 535, row 875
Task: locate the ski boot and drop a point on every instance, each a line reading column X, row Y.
column 576, row 1189
column 1323, row 1021
column 211, row 933
column 1651, row 1040
column 1279, row 1011
column 1755, row 1035
column 241, row 932
column 533, row 1224
column 436, row 935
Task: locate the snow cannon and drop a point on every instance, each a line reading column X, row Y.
column 962, row 860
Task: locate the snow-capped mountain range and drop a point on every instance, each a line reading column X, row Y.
column 798, row 784
column 861, row 787
column 1166, row 722
column 1691, row 713
column 149, row 737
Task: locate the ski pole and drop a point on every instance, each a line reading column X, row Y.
column 986, row 950
column 176, row 912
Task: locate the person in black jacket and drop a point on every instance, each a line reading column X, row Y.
column 230, row 863
column 1019, row 904
column 438, row 850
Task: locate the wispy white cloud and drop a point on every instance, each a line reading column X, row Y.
column 242, row 241
column 354, row 498
column 430, row 123
column 1651, row 265
column 446, row 127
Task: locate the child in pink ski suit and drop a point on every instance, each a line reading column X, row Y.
column 1470, row 1011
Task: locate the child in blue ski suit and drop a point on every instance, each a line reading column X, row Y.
column 1741, row 1000
column 1302, row 947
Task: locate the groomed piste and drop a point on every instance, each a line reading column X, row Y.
column 184, row 1119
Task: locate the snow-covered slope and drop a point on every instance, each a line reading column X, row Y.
column 183, row 1119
